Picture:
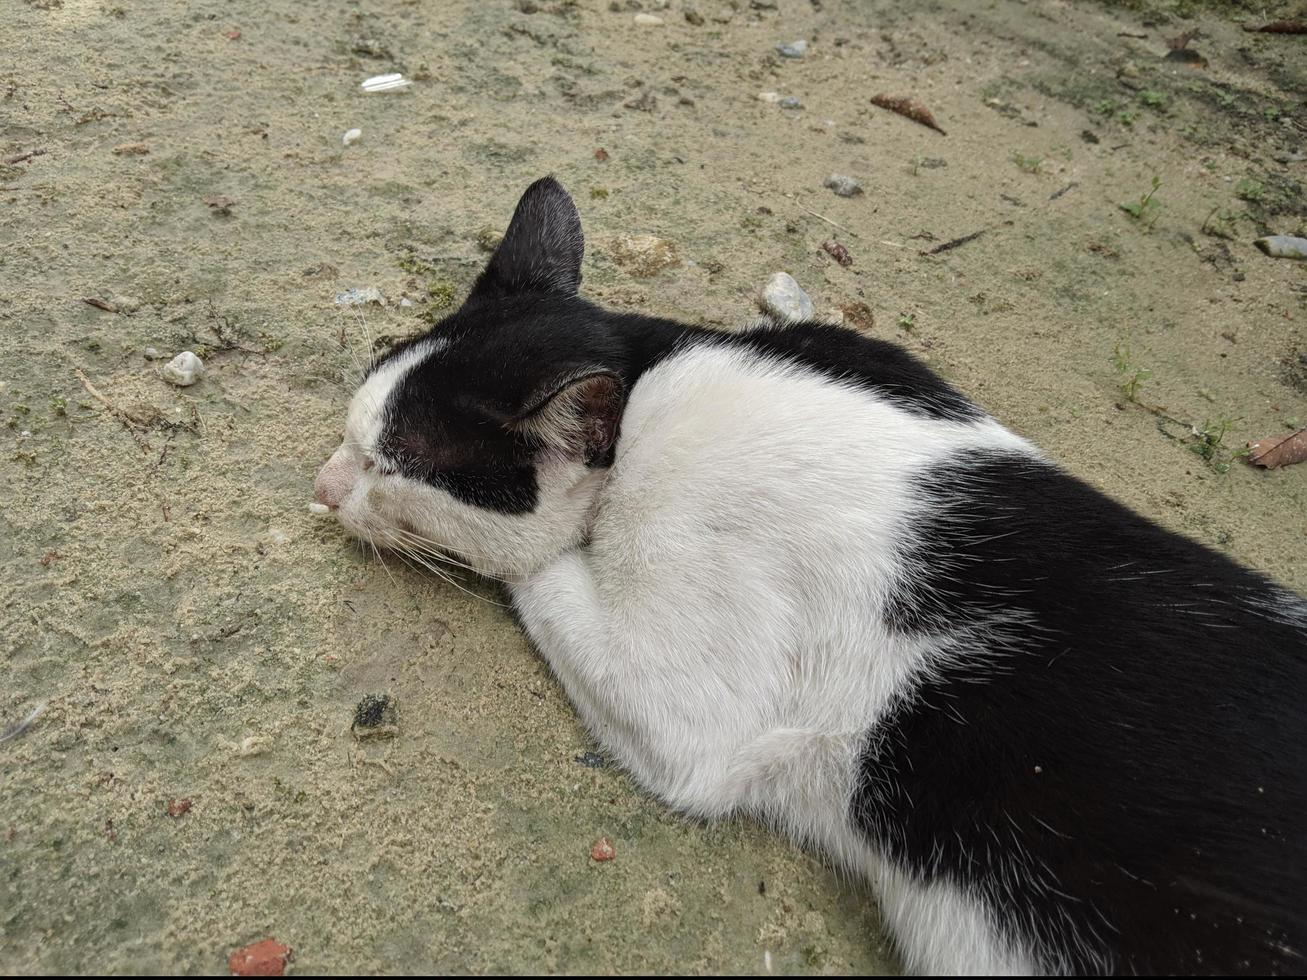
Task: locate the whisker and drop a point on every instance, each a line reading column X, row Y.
column 435, row 569
column 442, row 550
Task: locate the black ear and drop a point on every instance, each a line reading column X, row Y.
column 578, row 417
column 541, row 251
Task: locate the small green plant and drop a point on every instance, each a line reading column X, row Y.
column 1132, row 376
column 1147, row 209
column 1249, row 190
column 411, row 263
column 1223, row 222
column 1031, row 165
column 1126, row 117
column 1106, row 107
column 907, row 321
column 1154, row 100
column 1209, row 446
column 441, row 294
column 59, row 405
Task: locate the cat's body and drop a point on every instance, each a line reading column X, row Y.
column 790, row 572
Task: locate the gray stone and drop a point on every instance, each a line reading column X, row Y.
column 784, row 299
column 842, row 185
column 794, row 49
column 1283, row 246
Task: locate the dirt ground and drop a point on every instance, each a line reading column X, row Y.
column 201, row 639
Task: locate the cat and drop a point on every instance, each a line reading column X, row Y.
column 791, row 572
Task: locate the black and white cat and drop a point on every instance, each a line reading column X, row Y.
column 790, row 572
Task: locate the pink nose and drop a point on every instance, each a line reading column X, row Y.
column 335, row 479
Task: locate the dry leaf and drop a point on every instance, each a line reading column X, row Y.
column 1276, row 451
column 910, row 108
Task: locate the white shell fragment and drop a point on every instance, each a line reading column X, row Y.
column 769, row 96
column 184, row 370
column 320, row 509
column 1283, row 246
column 784, row 299
column 794, row 49
column 351, row 135
column 360, row 297
column 648, row 20
column 384, row 83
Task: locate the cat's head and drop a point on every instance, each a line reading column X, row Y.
column 489, row 436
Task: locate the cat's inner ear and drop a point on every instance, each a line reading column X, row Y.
column 577, row 418
column 542, row 249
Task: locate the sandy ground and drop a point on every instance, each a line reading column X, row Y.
column 200, row 637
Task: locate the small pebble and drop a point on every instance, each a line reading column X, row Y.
column 184, row 370
column 769, row 96
column 784, row 299
column 405, row 302
column 152, row 354
column 358, row 297
column 592, row 760
column 488, row 238
column 266, row 958
column 385, row 83
column 320, row 509
column 602, row 850
column 794, row 49
column 643, row 256
column 376, row 715
column 838, row 252
column 351, row 135
column 648, row 20
column 179, row 808
column 842, row 185
column 790, row 102
column 1283, row 246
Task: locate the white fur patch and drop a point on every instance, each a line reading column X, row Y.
column 722, row 633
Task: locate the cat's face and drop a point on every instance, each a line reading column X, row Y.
column 488, row 438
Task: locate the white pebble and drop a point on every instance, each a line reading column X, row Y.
column 351, row 135
column 1283, row 246
column 184, row 370
column 784, row 299
column 769, row 96
column 384, row 83
column 360, row 297
column 152, row 354
column 648, row 20
column 319, row 509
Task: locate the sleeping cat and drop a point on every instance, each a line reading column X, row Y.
column 790, row 572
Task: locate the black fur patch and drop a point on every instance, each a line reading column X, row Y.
column 1117, row 759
